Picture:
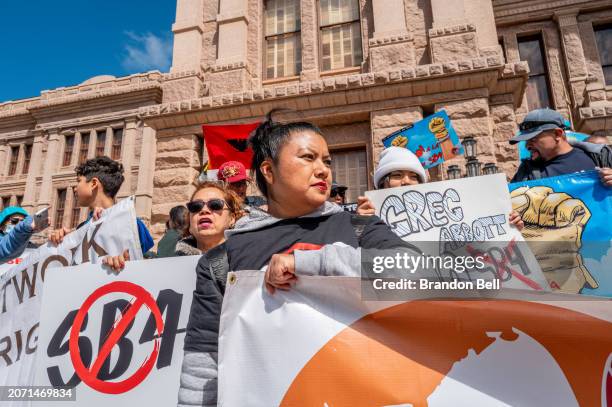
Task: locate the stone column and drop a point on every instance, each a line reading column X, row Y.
column 108, row 145
column 187, row 29
column 52, row 161
column 231, row 70
column 462, row 30
column 130, row 132
column 310, row 40
column 144, row 188
column 4, row 149
column 391, row 47
column 93, row 140
column 36, row 160
column 574, row 54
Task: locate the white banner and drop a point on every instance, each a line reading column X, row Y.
column 117, row 339
column 465, row 217
column 319, row 344
column 21, row 287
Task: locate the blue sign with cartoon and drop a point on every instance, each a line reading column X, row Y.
column 567, row 226
column 432, row 139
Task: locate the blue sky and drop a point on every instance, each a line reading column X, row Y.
column 48, row 44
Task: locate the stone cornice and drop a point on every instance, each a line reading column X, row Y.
column 415, row 77
column 455, row 29
column 512, row 11
column 232, row 16
column 393, row 39
column 182, row 74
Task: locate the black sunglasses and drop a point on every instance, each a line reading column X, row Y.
column 213, row 204
column 14, row 221
column 335, row 192
column 526, row 126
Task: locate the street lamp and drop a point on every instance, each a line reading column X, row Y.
column 489, row 168
column 453, row 172
column 470, row 147
column 473, row 167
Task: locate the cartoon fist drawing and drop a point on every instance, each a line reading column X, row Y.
column 554, row 222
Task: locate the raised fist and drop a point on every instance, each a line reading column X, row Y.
column 554, row 222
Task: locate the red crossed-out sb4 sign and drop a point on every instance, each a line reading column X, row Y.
column 89, row 374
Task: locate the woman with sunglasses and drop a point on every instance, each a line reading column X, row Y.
column 212, row 210
column 300, row 234
column 16, row 228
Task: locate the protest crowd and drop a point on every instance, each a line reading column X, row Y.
column 296, row 226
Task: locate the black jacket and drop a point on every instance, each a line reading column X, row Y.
column 252, row 249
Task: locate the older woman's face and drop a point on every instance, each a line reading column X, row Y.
column 208, row 224
column 302, row 175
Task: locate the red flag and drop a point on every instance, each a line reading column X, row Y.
column 228, row 142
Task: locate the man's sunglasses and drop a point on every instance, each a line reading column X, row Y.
column 335, row 192
column 214, row 205
column 526, row 126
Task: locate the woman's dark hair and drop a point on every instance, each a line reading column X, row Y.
column 179, row 216
column 267, row 141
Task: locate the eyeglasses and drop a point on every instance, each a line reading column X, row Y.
column 526, row 126
column 335, row 192
column 214, row 205
column 14, row 221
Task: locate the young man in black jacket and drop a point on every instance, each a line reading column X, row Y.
column 552, row 154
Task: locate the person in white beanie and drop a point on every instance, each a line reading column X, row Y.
column 400, row 167
column 397, row 167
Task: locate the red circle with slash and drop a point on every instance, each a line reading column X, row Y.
column 89, row 374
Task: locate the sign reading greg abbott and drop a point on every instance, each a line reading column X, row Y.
column 465, row 217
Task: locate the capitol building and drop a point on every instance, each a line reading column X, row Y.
column 359, row 69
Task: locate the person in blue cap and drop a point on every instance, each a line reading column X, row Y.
column 553, row 154
column 16, row 228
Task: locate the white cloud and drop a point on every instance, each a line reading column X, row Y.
column 147, row 52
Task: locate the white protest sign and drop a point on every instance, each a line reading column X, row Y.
column 319, row 344
column 116, row 338
column 466, row 217
column 21, row 287
column 4, row 267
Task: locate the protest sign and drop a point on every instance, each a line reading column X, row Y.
column 116, row 339
column 465, row 217
column 319, row 344
column 432, row 139
column 567, row 226
column 4, row 267
column 21, row 287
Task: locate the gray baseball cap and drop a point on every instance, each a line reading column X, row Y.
column 536, row 122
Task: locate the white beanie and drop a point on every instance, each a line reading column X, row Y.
column 398, row 158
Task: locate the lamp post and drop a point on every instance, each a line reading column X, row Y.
column 469, row 143
column 489, row 168
column 453, row 172
column 473, row 167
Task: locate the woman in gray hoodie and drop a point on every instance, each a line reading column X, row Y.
column 300, row 234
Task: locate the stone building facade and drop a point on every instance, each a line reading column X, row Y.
column 360, row 69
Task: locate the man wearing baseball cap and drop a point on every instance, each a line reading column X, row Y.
column 551, row 152
column 234, row 174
